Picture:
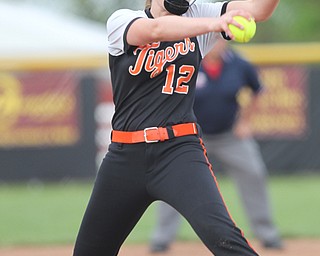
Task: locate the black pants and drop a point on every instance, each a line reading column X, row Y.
column 176, row 171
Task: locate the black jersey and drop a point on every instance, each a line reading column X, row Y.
column 154, row 84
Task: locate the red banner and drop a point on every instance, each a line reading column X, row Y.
column 282, row 109
column 39, row 109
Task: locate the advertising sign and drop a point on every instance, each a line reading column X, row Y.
column 38, row 109
column 282, row 108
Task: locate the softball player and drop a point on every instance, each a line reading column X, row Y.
column 156, row 151
column 228, row 139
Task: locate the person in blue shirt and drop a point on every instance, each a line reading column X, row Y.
column 228, row 138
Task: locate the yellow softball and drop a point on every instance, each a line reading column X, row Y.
column 247, row 33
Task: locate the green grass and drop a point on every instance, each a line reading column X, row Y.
column 41, row 213
column 51, row 213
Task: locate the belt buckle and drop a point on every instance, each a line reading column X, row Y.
column 145, row 134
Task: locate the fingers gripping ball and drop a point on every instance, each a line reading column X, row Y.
column 247, row 33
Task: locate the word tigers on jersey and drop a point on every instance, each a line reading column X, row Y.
column 156, row 60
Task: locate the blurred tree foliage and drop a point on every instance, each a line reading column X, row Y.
column 293, row 20
column 100, row 10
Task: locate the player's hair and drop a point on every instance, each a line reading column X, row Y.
column 148, row 4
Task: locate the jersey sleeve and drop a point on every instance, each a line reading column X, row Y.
column 117, row 26
column 207, row 41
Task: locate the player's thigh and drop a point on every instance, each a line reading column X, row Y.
column 186, row 181
column 117, row 202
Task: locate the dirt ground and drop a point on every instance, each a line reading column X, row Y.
column 296, row 247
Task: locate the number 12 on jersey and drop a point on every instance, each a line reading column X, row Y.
column 179, row 84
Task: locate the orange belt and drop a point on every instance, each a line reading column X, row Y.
column 154, row 134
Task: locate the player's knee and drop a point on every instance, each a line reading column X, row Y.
column 213, row 222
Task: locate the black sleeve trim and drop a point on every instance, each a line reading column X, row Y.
column 224, row 8
column 223, row 11
column 125, row 43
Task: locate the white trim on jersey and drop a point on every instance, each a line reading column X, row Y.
column 119, row 20
column 116, row 26
column 206, row 41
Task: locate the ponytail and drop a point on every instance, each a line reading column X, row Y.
column 148, row 4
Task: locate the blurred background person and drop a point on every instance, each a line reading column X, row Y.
column 228, row 138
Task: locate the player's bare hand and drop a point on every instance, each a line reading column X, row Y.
column 228, row 18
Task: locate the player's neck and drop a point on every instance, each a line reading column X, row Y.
column 157, row 10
